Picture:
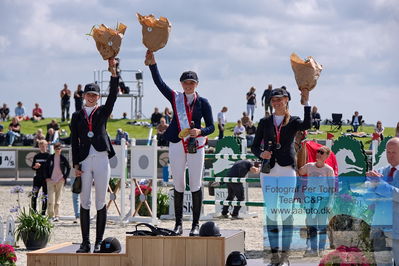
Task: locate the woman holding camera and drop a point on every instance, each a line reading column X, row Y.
column 186, row 139
column 278, row 185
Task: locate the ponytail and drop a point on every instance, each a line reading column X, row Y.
column 287, row 116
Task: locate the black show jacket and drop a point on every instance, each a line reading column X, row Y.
column 286, row 154
column 79, row 128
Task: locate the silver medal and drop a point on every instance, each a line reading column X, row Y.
column 278, row 146
column 90, row 134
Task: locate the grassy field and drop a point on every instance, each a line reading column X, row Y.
column 141, row 132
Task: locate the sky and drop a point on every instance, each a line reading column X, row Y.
column 232, row 45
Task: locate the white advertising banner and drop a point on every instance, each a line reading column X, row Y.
column 7, row 159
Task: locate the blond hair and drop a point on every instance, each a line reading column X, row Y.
column 326, row 149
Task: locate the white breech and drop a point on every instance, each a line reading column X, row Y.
column 95, row 167
column 178, row 162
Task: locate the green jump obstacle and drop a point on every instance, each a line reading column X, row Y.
column 230, row 156
column 234, row 203
column 232, row 179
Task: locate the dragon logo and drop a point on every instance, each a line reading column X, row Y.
column 351, row 158
column 227, row 145
column 380, row 158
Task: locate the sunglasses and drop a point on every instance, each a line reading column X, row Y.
column 320, row 152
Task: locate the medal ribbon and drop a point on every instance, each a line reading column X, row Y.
column 190, row 108
column 278, row 130
column 89, row 119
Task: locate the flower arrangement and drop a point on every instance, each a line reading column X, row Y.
column 162, row 201
column 346, row 256
column 7, row 255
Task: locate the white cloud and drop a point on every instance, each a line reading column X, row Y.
column 43, row 33
column 232, row 46
column 4, row 43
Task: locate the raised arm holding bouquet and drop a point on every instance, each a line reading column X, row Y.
column 186, row 136
column 306, row 74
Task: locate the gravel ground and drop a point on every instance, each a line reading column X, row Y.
column 67, row 231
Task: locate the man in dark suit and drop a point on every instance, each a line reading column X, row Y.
column 386, row 184
column 91, row 150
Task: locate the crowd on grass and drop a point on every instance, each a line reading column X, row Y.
column 245, row 127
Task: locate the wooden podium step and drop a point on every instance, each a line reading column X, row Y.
column 148, row 251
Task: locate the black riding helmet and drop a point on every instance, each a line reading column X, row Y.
column 110, row 245
column 236, row 258
column 209, row 229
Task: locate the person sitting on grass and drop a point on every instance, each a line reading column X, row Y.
column 38, row 137
column 120, row 134
column 239, row 130
column 53, row 124
column 37, row 113
column 20, row 111
column 14, row 130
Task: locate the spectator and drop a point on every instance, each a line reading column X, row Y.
column 236, row 190
column 38, row 137
column 53, row 124
column 397, row 130
column 266, row 99
column 14, row 130
column 320, row 175
column 167, row 114
column 316, row 118
column 75, row 202
column 356, row 121
column 120, row 134
column 222, row 121
column 57, row 172
column 250, row 131
column 78, row 97
column 251, row 102
column 239, row 130
column 161, row 129
column 65, row 95
column 37, row 113
column 51, row 136
column 4, row 113
column 124, row 115
column 39, row 180
column 2, row 136
column 20, row 111
column 156, row 117
column 384, row 182
column 379, row 129
column 245, row 119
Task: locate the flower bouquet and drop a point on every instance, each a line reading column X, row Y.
column 7, row 255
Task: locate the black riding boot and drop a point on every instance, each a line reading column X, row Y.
column 197, row 204
column 178, row 200
column 100, row 228
column 85, row 228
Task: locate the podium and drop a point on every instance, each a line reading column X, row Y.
column 147, row 251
